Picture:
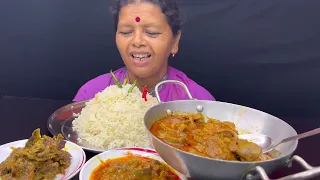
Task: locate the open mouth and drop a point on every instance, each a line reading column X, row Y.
column 140, row 57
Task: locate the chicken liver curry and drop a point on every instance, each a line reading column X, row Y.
column 214, row 139
column 132, row 167
column 41, row 158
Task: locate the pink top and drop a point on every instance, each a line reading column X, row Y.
column 169, row 92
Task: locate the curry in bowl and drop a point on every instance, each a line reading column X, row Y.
column 132, row 163
column 213, row 139
column 133, row 167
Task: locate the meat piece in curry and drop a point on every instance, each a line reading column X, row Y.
column 214, row 139
column 41, row 158
column 133, row 167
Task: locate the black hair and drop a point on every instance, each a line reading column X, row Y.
column 168, row 7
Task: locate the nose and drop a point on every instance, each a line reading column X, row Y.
column 138, row 40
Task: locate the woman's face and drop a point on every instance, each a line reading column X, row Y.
column 144, row 39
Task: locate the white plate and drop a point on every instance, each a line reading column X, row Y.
column 94, row 162
column 60, row 122
column 78, row 157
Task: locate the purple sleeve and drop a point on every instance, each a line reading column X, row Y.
column 92, row 87
column 81, row 94
column 197, row 91
column 201, row 93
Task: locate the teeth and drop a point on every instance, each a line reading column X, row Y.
column 140, row 55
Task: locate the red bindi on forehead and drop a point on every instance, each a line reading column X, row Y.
column 137, row 19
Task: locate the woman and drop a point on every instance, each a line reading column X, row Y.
column 147, row 33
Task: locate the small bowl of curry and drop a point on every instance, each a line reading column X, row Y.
column 128, row 163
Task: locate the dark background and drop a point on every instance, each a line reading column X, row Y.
column 262, row 54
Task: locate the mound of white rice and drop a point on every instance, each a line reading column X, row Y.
column 114, row 118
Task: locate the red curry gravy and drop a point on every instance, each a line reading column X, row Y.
column 213, row 139
column 133, row 167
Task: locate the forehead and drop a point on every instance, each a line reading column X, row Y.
column 147, row 12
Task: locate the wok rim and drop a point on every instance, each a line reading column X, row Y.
column 220, row 160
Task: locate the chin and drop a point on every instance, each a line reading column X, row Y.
column 142, row 72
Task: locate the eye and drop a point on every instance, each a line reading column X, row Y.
column 152, row 34
column 125, row 32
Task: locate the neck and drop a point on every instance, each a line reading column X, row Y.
column 150, row 82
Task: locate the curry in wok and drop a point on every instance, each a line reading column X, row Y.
column 210, row 138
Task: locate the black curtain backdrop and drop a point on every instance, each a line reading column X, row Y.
column 261, row 54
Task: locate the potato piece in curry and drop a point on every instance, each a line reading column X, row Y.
column 215, row 139
column 133, row 167
column 41, row 158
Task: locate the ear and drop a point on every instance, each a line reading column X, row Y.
column 176, row 40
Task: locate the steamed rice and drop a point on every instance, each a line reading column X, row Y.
column 114, row 118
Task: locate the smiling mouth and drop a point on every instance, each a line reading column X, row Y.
column 140, row 57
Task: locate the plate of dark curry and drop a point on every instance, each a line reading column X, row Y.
column 130, row 164
column 40, row 157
